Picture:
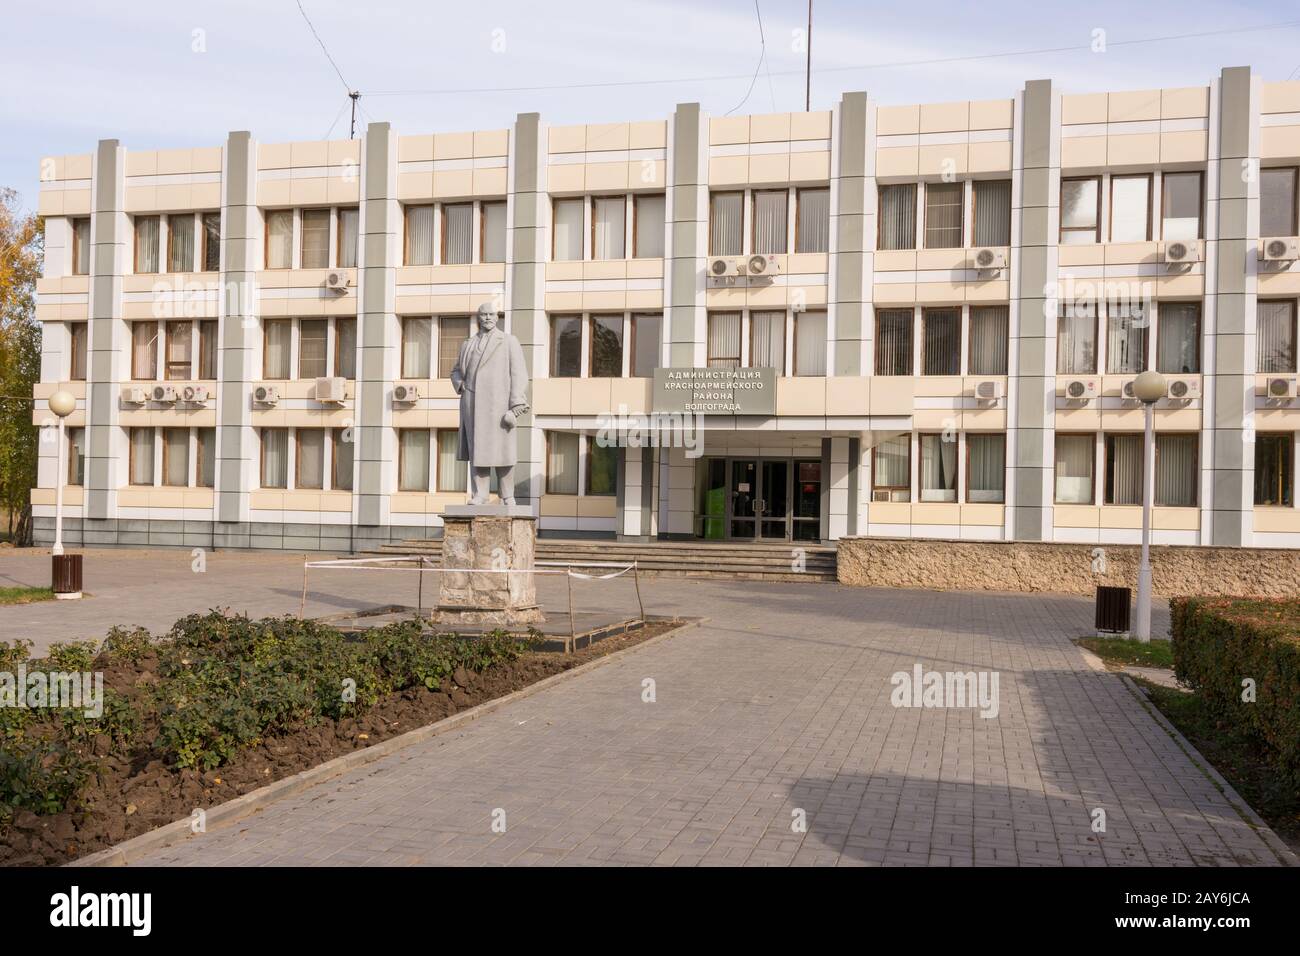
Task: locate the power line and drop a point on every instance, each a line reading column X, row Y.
column 339, row 72
column 762, row 55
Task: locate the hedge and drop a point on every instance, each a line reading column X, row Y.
column 1220, row 643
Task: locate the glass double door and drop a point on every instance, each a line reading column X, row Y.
column 776, row 499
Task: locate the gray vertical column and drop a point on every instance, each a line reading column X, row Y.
column 526, row 280
column 1032, row 411
column 108, row 343
column 688, row 235
column 241, row 232
column 381, row 223
column 852, row 185
column 1235, row 229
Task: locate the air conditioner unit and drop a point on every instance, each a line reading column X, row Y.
column 1082, row 389
column 763, row 265
column 880, row 495
column 1181, row 251
column 339, row 280
column 135, row 395
column 1281, row 387
column 989, row 259
column 405, row 394
column 1184, row 389
column 163, row 393
column 266, row 394
column 195, row 394
column 989, row 390
column 720, row 267
column 1129, row 394
column 331, row 389
column 1279, row 249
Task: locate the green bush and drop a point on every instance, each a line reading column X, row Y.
column 1221, row 643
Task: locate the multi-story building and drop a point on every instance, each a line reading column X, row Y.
column 949, row 303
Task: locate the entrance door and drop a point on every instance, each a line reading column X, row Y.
column 742, row 487
column 774, row 499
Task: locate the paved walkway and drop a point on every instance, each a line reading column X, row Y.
column 777, row 709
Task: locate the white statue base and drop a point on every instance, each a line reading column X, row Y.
column 486, row 540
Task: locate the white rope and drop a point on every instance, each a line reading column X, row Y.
column 560, row 567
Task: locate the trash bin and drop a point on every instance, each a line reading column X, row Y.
column 66, row 575
column 1113, row 607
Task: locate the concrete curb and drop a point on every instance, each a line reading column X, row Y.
column 123, row 854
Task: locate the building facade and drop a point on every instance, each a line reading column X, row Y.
column 928, row 315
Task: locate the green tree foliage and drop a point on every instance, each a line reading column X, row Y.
column 22, row 249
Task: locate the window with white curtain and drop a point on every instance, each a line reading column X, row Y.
column 178, row 350
column 458, row 233
column 943, row 215
column 724, row 340
column 147, row 237
column 419, row 236
column 606, row 346
column 1177, row 475
column 341, row 451
column 1130, row 208
column 608, row 227
column 315, row 238
column 1277, row 201
column 180, row 243
column 938, row 468
column 1076, row 340
column 141, row 463
column 277, row 336
column 275, row 458
column 810, row 343
column 205, row 472
column 279, row 239
column 1180, row 207
column 813, row 222
column 566, row 232
column 1126, row 339
column 941, row 342
column 566, row 346
column 648, row 218
column 986, row 456
column 310, row 470
column 1080, row 211
column 726, row 224
column 1178, row 338
column 80, row 247
column 771, row 218
column 176, row 456
column 413, row 459
column 1124, row 469
column 767, row 340
column 453, row 475
column 144, row 351
column 494, row 231
column 417, row 343
column 1275, row 336
column 1274, row 464
column 453, row 330
column 891, row 468
column 893, row 341
column 897, row 228
column 345, row 348
column 313, row 334
column 1075, row 459
column 988, row 339
column 561, row 463
column 646, row 331
column 349, row 236
column 992, row 212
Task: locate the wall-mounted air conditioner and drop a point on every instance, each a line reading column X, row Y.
column 331, row 389
column 163, row 393
column 988, row 260
column 723, row 267
column 194, row 394
column 339, row 280
column 1082, row 389
column 134, row 395
column 989, row 390
column 1184, row 389
column 405, row 394
column 1183, row 251
column 1281, row 387
column 759, row 265
column 1129, row 394
column 1279, row 249
column 266, row 394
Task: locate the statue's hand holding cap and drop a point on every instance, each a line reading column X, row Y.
column 508, row 419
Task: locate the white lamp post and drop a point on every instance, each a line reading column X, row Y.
column 1149, row 387
column 62, row 404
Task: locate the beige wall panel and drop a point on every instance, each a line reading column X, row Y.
column 898, row 120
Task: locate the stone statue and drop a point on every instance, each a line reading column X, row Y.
column 492, row 381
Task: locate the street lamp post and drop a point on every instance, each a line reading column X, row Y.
column 62, row 404
column 1149, row 387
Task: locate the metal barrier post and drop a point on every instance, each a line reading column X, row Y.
column 636, row 577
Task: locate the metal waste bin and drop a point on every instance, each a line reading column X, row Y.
column 1113, row 608
column 66, row 575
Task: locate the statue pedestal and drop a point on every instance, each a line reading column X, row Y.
column 486, row 540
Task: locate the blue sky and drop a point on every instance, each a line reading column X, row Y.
column 93, row 70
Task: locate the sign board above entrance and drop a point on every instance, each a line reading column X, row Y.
column 715, row 391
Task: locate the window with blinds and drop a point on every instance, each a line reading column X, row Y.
column 345, row 348
column 897, row 229
column 648, row 218
column 566, row 346
column 1130, row 208
column 988, row 339
column 80, row 247
column 458, row 233
column 144, row 351
column 349, row 235
column 1177, row 475
column 767, row 340
column 208, row 350
column 646, row 332
column 419, row 236
column 1124, row 469
column 771, row 217
column 566, row 230
column 1274, row 465
column 1076, row 340
column 417, row 343
column 608, row 227
column 180, row 243
column 341, row 453
column 494, row 232
column 941, row 342
column 309, row 470
column 943, row 219
column 894, row 342
column 1277, row 201
column 277, row 338
column 315, row 238
column 140, row 463
column 986, row 460
column 723, row 348
column 1126, row 340
column 275, row 458
column 205, row 468
column 1178, row 338
column 178, row 350
column 279, row 239
column 453, row 330
column 453, row 475
column 813, row 225
column 726, row 223
column 561, row 463
column 1080, row 211
column 992, row 212
column 1275, row 336
column 312, row 338
column 147, row 237
column 176, row 457
column 211, row 257
column 79, row 335
column 1075, row 460
column 810, row 343
column 891, row 469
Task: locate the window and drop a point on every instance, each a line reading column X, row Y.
column 608, row 227
column 894, row 342
column 1180, row 206
column 724, row 340
column 812, row 229
column 1130, row 208
column 413, row 459
column 80, row 247
column 1178, row 338
column 417, row 343
column 646, row 331
column 79, row 333
column 315, row 238
column 452, row 331
column 345, row 348
column 810, row 343
column 986, row 468
column 453, row 475
column 1080, row 211
column 146, row 243
column 561, row 463
column 566, row 234
column 76, row 457
column 988, row 339
column 771, row 213
column 767, row 340
column 1126, row 340
column 176, row 457
column 419, row 236
column 726, row 223
column 205, row 472
column 140, row 465
column 341, row 448
column 891, row 469
column 180, row 243
column 349, row 236
column 1277, row 198
column 275, row 457
column 1075, row 458
column 279, row 239
column 277, row 336
column 648, row 219
column 312, row 337
column 144, row 351
column 1275, row 336
column 566, row 346
column 602, row 468
column 606, row 346
column 458, row 233
column 943, row 225
column 211, row 258
column 941, row 342
column 992, row 212
column 1123, row 469
column 938, row 468
column 492, row 237
column 1177, row 476
column 898, row 216
column 1076, row 340
column 179, row 341
column 309, row 470
column 1274, row 458
column 208, row 350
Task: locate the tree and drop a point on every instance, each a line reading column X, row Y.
column 22, row 251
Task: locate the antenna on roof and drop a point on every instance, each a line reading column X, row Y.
column 355, row 95
column 807, row 82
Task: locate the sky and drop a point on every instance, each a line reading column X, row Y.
column 160, row 74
